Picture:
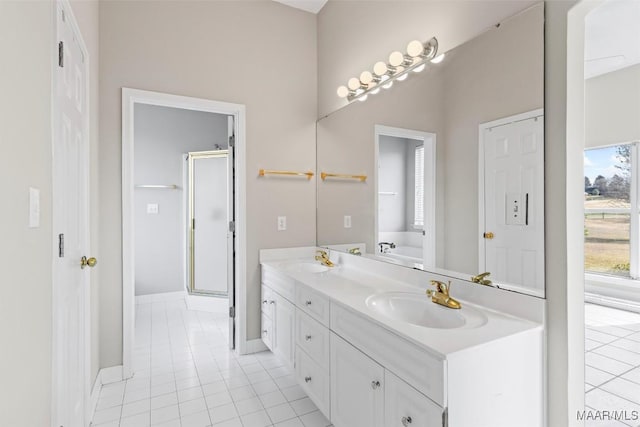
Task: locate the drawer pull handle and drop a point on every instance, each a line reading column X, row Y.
column 406, row 421
column 308, row 338
column 308, row 303
column 375, row 384
column 307, row 379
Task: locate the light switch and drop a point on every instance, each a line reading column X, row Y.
column 516, row 206
column 152, row 208
column 347, row 221
column 34, row 207
column 282, row 223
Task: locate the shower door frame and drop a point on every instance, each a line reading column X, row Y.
column 191, row 157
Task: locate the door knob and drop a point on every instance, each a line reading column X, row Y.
column 489, row 235
column 87, row 262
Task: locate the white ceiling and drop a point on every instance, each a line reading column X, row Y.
column 313, row 6
column 612, row 36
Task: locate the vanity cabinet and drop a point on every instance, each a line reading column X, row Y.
column 278, row 320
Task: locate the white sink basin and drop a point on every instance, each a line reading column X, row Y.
column 305, row 267
column 418, row 309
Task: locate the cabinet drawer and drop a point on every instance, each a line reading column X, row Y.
column 418, row 367
column 312, row 303
column 279, row 282
column 313, row 338
column 267, row 331
column 404, row 406
column 314, row 380
column 267, row 302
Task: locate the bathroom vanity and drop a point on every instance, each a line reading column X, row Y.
column 371, row 349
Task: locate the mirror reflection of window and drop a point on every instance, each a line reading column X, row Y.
column 608, row 229
column 418, row 214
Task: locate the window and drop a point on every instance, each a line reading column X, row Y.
column 610, row 228
column 418, row 213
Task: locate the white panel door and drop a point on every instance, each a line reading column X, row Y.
column 70, row 225
column 514, row 203
column 357, row 388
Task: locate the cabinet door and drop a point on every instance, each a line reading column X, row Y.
column 357, row 388
column 407, row 407
column 267, row 331
column 284, row 318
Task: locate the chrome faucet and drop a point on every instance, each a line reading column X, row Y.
column 481, row 279
column 323, row 257
column 441, row 295
column 385, row 246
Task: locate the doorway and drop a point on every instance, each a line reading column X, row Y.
column 405, row 196
column 159, row 132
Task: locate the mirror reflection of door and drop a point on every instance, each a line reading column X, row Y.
column 208, row 222
column 512, row 210
column 406, row 192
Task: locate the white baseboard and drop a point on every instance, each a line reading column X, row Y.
column 255, row 346
column 105, row 376
column 210, row 304
column 164, row 296
column 618, row 303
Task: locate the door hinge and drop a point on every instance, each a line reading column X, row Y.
column 60, row 245
column 232, row 226
column 445, row 417
column 61, row 54
column 232, row 141
column 193, row 223
column 232, row 312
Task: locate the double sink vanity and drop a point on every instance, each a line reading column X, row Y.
column 372, row 349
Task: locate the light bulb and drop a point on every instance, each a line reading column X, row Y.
column 380, row 69
column 343, row 91
column 396, row 58
column 366, row 77
column 438, row 59
column 415, row 48
column 419, row 68
column 354, row 83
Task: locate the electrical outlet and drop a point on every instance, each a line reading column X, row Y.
column 152, row 208
column 282, row 223
column 347, row 221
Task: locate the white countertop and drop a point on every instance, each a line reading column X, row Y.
column 350, row 288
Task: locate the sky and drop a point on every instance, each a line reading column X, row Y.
column 600, row 161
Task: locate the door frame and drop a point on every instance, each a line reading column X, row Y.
column 57, row 312
column 481, row 176
column 429, row 139
column 130, row 97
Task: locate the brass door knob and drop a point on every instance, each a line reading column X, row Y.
column 88, row 262
column 488, row 235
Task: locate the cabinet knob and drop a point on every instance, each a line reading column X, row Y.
column 264, row 301
column 375, row 384
column 272, row 302
column 406, row 421
column 307, row 379
column 308, row 303
column 308, row 337
column 264, row 332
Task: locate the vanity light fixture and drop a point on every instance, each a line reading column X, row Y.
column 397, row 68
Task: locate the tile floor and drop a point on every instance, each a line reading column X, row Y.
column 612, row 371
column 187, row 377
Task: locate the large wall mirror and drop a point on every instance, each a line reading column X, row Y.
column 454, row 162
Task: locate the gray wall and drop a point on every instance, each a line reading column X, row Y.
column 612, row 107
column 161, row 136
column 258, row 53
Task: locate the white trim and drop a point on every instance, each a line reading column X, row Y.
column 129, row 98
column 539, row 112
column 622, row 304
column 255, row 346
column 70, row 17
column 606, row 286
column 111, row 375
column 95, row 395
column 429, row 140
